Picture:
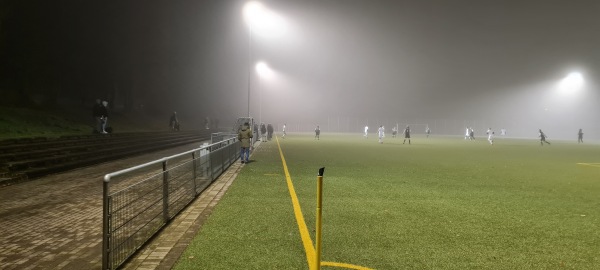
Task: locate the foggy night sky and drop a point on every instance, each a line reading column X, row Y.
column 494, row 62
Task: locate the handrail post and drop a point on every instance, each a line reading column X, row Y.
column 105, row 225
column 210, row 163
column 194, row 173
column 165, row 192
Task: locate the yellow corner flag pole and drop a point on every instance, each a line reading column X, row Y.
column 318, row 226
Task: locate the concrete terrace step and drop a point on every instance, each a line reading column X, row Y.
column 90, row 151
column 21, row 166
column 20, row 145
column 55, row 155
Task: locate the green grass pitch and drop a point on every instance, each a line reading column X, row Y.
column 438, row 203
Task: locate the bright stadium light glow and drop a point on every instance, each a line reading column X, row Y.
column 574, row 81
column 262, row 20
column 263, row 70
column 253, row 11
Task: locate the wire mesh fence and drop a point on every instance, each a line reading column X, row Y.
column 140, row 200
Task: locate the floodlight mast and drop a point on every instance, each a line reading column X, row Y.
column 264, row 72
column 252, row 12
column 262, row 21
column 249, row 60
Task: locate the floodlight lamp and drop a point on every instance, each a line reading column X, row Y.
column 253, row 11
column 573, row 81
column 263, row 70
column 263, row 21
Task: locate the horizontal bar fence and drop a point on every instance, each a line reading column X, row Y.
column 139, row 201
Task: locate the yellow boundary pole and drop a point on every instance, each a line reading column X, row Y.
column 318, row 225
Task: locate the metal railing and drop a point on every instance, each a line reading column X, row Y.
column 139, row 201
column 221, row 136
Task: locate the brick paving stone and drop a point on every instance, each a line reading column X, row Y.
column 55, row 222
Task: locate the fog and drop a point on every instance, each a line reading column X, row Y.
column 344, row 64
column 446, row 65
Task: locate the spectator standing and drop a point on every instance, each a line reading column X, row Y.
column 269, row 131
column 104, row 116
column 174, row 122
column 245, row 136
column 263, row 132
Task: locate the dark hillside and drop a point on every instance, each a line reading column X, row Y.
column 44, row 122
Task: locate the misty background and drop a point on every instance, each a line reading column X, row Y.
column 339, row 64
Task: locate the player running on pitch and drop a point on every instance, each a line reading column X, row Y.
column 543, row 138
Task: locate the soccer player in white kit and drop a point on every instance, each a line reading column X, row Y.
column 467, row 134
column 381, row 134
column 490, row 136
column 366, row 132
column 283, row 132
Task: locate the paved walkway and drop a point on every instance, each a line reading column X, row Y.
column 56, row 222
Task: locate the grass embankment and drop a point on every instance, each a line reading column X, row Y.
column 21, row 122
column 42, row 122
column 439, row 203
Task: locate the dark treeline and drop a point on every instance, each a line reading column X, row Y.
column 82, row 50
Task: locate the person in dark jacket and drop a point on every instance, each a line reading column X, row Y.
column 317, row 133
column 245, row 136
column 263, row 132
column 269, row 131
column 174, row 122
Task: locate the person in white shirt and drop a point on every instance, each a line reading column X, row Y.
column 381, row 134
column 366, row 132
column 467, row 134
column 490, row 136
column 283, row 132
